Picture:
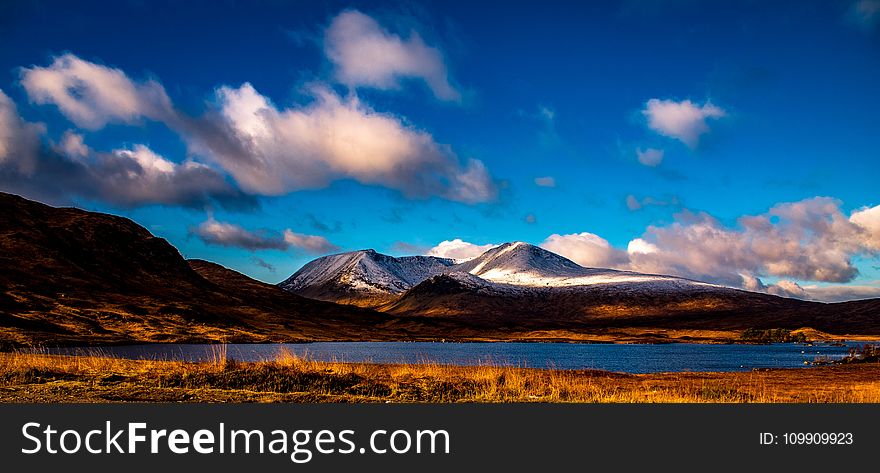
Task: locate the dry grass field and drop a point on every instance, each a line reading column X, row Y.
column 95, row 377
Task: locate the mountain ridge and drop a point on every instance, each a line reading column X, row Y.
column 518, row 285
column 365, row 277
column 74, row 277
column 509, row 265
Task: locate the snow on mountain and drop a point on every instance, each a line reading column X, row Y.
column 510, row 265
column 366, row 270
column 521, row 264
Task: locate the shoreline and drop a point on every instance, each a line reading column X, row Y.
column 67, row 379
column 647, row 337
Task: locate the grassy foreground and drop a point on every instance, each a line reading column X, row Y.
column 97, row 378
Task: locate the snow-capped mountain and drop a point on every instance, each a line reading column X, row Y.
column 363, row 277
column 521, row 264
column 372, row 279
column 517, row 285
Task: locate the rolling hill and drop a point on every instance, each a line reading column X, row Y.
column 69, row 276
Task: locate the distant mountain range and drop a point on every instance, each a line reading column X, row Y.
column 525, row 286
column 370, row 279
column 72, row 277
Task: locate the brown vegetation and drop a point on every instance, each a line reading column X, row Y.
column 98, row 378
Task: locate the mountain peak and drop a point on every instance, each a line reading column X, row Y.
column 364, row 271
column 370, row 279
column 521, row 257
column 515, row 244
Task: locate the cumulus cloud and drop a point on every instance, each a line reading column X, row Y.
column 808, row 240
column 19, row 140
column 73, row 145
column 787, row 288
column 811, row 240
column 137, row 176
column 92, row 95
column 650, row 157
column 125, row 177
column 814, row 292
column 310, row 243
column 685, row 121
column 638, row 245
column 458, row 250
column 546, row 181
column 227, row 234
column 586, row 249
column 365, row 54
column 269, row 151
column 868, row 221
column 840, row 293
column 278, row 151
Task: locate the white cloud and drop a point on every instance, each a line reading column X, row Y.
column 266, row 150
column 586, row 249
column 814, row 292
column 365, row 54
column 809, row 240
column 458, row 250
column 231, row 235
column 227, row 234
column 311, row 243
column 277, row 151
column 868, row 220
column 786, row 288
column 19, row 140
column 684, row 121
column 839, row 293
column 139, row 176
column 546, row 181
column 151, row 164
column 639, row 245
column 73, row 145
column 125, row 177
column 651, row 157
column 91, row 95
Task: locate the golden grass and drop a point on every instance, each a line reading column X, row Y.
column 95, row 377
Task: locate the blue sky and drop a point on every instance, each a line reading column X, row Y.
column 756, row 105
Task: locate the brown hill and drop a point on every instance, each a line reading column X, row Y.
column 630, row 305
column 69, row 276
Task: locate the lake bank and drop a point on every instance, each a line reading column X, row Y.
column 11, row 340
column 49, row 378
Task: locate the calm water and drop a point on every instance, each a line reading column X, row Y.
column 622, row 358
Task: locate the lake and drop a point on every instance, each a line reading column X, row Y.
column 635, row 358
